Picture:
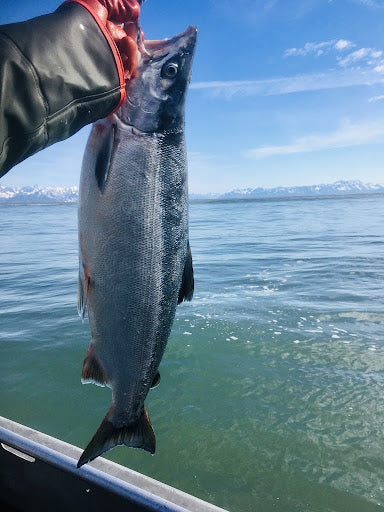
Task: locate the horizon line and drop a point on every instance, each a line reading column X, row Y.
column 249, row 188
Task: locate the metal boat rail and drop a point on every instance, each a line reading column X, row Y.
column 39, row 473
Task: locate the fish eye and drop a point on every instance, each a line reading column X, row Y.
column 170, row 70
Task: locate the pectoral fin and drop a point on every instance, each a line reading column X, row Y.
column 82, row 293
column 187, row 283
column 104, row 156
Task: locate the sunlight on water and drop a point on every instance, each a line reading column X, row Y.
column 272, row 390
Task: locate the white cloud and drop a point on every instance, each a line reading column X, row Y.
column 342, row 44
column 319, row 49
column 370, row 55
column 364, row 66
column 376, row 98
column 309, row 48
column 333, row 79
column 346, row 136
column 368, row 58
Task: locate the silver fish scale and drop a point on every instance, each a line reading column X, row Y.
column 135, row 260
column 133, row 240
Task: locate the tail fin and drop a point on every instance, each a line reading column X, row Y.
column 108, row 436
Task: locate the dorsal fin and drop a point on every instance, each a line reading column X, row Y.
column 187, row 283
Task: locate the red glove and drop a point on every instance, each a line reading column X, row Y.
column 116, row 14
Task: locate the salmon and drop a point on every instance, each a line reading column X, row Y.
column 135, row 258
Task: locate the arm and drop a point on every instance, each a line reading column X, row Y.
column 58, row 72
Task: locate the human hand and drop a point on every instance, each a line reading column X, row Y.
column 121, row 18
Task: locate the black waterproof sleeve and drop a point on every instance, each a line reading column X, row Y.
column 57, row 73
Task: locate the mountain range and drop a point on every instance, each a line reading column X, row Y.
column 38, row 195
column 44, row 195
column 334, row 189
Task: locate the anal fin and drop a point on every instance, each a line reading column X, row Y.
column 188, row 282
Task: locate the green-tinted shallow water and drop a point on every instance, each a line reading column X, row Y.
column 272, row 391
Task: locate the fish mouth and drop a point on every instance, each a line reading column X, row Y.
column 158, row 48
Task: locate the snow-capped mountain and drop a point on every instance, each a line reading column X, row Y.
column 333, row 189
column 38, row 194
column 43, row 195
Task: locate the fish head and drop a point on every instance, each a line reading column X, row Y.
column 156, row 94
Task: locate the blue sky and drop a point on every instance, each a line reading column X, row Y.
column 284, row 92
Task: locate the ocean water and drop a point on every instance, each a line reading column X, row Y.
column 272, row 391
